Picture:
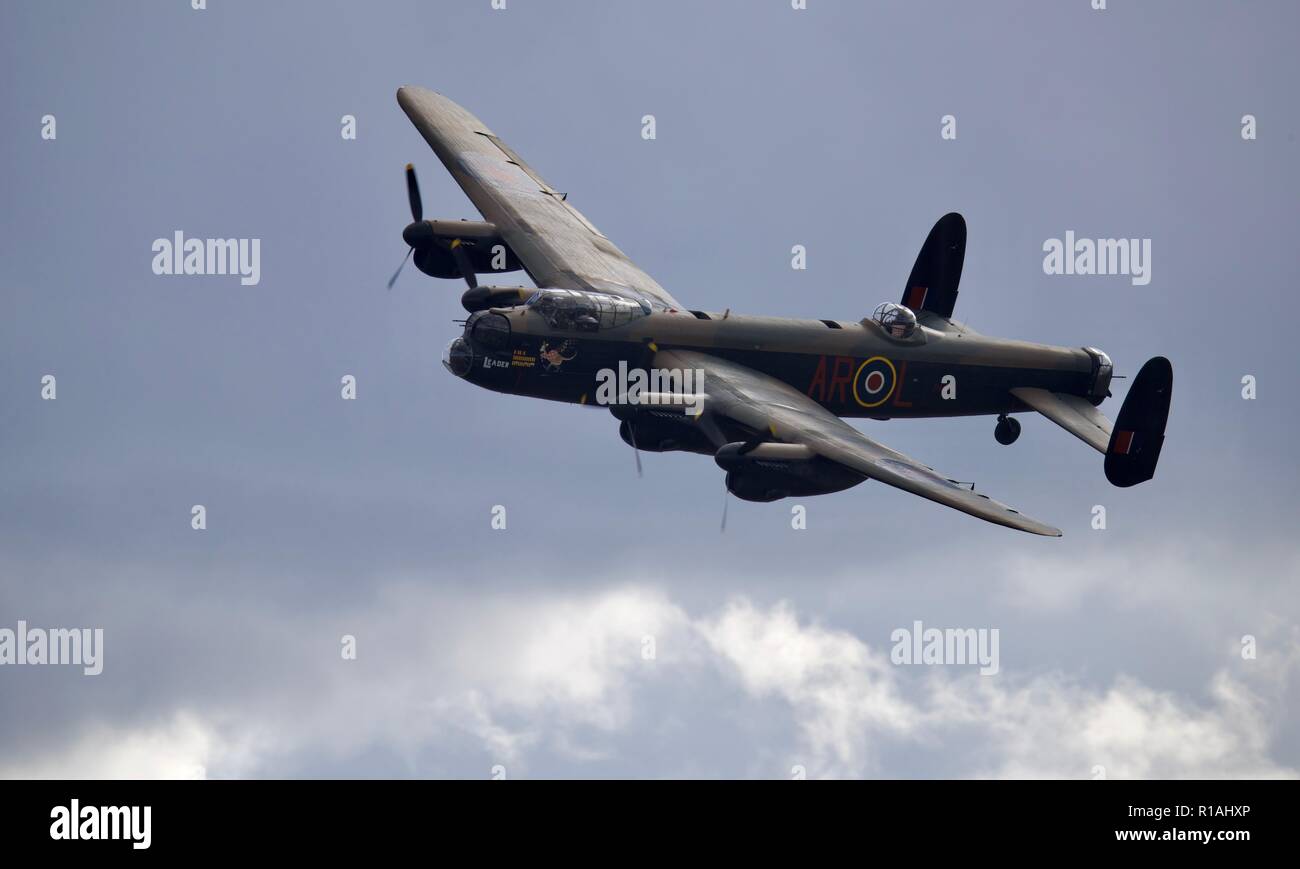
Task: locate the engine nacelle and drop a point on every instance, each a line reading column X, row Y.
column 771, row 471
column 436, row 262
column 663, row 433
column 482, row 298
column 487, row 250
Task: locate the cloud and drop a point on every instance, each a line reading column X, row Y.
column 1052, row 727
column 564, row 683
column 838, row 690
column 851, row 703
column 181, row 748
column 554, row 666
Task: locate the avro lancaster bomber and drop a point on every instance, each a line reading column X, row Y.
column 766, row 395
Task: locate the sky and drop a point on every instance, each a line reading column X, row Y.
column 611, row 629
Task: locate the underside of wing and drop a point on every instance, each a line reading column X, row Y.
column 554, row 242
column 772, row 409
column 889, row 466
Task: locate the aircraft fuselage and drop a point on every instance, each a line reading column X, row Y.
column 852, row 369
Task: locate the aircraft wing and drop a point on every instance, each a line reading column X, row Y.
column 764, row 404
column 554, row 242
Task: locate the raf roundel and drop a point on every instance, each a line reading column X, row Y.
column 874, row 382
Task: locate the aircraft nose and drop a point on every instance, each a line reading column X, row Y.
column 418, row 234
column 458, row 357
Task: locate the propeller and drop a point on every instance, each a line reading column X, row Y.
column 419, row 236
column 413, row 194
column 393, row 279
column 631, row 430
column 462, row 261
column 747, row 447
column 725, row 499
column 417, row 216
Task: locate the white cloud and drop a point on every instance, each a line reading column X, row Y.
column 555, row 665
column 838, row 690
column 519, row 681
column 850, row 702
column 181, row 748
column 1052, row 727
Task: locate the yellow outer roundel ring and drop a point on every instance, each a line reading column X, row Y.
column 893, row 381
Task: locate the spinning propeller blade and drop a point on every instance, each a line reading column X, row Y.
column 413, row 194
column 393, row 279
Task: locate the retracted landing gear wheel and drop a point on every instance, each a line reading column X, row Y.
column 1007, row 430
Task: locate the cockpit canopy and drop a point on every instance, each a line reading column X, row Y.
column 898, row 321
column 582, row 311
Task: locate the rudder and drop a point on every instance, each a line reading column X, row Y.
column 1139, row 431
column 932, row 285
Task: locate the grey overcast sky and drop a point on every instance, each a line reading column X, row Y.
column 1120, row 650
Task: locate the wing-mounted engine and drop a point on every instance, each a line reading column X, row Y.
column 770, row 471
column 482, row 298
column 661, row 427
column 663, row 433
column 452, row 248
column 437, row 242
